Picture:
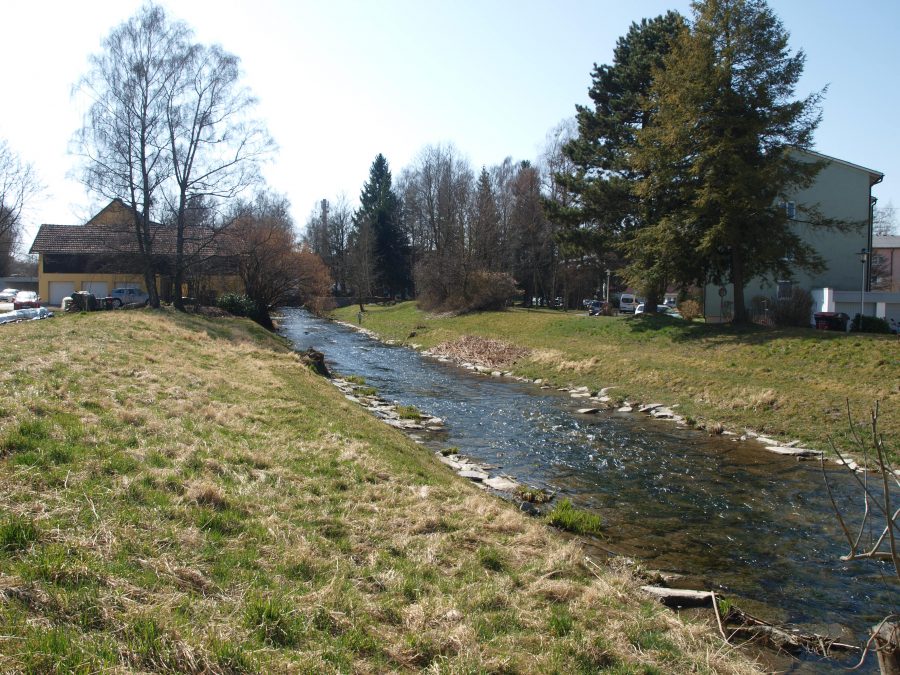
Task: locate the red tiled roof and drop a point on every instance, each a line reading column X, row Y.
column 112, row 230
column 84, row 239
column 106, row 239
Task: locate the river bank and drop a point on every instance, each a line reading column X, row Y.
column 207, row 504
column 722, row 513
column 786, row 385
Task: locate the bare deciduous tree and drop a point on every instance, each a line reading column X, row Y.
column 273, row 266
column 215, row 147
column 878, row 535
column 328, row 234
column 168, row 124
column 18, row 184
column 124, row 137
column 884, row 221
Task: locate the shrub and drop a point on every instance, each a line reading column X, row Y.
column 690, row 310
column 793, row 311
column 485, row 291
column 870, row 324
column 451, row 287
column 237, row 304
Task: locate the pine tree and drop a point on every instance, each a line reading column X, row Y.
column 380, row 210
column 484, row 233
column 719, row 157
column 604, row 179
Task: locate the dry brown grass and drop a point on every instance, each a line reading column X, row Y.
column 213, row 507
column 482, row 351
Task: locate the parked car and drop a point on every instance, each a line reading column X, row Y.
column 597, row 307
column 26, row 300
column 129, row 296
column 628, row 303
column 662, row 310
column 8, row 294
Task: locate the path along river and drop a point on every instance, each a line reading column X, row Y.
column 730, row 516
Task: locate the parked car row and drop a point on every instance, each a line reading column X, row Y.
column 31, row 300
column 20, row 299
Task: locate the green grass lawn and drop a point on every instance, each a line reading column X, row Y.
column 181, row 494
column 786, row 383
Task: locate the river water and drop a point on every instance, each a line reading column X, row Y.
column 728, row 515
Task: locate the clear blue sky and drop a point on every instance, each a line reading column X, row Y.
column 340, row 81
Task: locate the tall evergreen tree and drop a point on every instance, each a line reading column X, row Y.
column 607, row 212
column 380, row 209
column 719, row 157
column 484, row 230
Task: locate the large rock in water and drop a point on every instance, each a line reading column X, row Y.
column 316, row 361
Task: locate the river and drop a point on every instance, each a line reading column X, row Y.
column 728, row 515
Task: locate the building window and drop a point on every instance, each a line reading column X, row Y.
column 785, row 290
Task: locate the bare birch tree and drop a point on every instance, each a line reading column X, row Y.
column 124, row 137
column 215, row 147
column 168, row 125
column 18, row 184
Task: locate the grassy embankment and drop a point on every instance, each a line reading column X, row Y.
column 785, row 383
column 181, row 494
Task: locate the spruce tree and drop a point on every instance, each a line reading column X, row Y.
column 607, row 213
column 484, row 233
column 719, row 158
column 380, row 210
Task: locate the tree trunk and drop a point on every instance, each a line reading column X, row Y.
column 651, row 300
column 177, row 282
column 737, row 280
column 150, row 282
column 178, row 279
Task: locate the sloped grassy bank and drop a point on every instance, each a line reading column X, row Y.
column 181, row 494
column 784, row 383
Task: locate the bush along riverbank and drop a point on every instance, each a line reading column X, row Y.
column 183, row 494
column 789, row 387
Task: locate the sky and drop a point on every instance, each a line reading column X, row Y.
column 340, row 81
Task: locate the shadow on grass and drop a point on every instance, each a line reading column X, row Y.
column 753, row 334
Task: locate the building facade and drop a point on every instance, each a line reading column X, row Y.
column 841, row 193
column 103, row 254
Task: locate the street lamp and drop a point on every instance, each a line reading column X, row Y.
column 606, row 290
column 863, row 258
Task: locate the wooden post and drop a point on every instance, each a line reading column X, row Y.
column 887, row 645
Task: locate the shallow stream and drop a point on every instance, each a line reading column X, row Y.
column 728, row 515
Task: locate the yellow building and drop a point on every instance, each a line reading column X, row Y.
column 103, row 254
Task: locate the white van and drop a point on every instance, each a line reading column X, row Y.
column 628, row 303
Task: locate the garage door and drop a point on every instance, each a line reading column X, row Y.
column 59, row 290
column 98, row 288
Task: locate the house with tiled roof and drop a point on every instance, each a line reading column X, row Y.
column 103, row 254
